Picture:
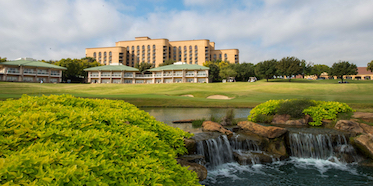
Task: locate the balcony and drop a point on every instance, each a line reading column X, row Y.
column 55, row 74
column 189, row 74
column 13, row 71
column 144, row 75
column 93, row 75
column 201, row 74
column 128, row 76
column 29, row 72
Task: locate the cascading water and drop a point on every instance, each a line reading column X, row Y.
column 216, row 151
column 321, row 146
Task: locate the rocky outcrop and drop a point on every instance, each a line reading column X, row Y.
column 365, row 144
column 298, row 122
column 190, row 145
column 209, row 126
column 247, row 158
column 367, row 117
column 269, row 132
column 199, row 169
column 280, row 119
column 349, row 126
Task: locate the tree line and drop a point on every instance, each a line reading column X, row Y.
column 286, row 67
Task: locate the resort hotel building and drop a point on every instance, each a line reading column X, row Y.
column 178, row 72
column 157, row 51
column 30, row 70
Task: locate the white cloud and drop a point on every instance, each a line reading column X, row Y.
column 318, row 31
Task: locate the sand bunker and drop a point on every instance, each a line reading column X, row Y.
column 188, row 95
column 218, row 97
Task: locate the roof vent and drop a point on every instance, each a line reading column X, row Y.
column 179, row 63
column 26, row 59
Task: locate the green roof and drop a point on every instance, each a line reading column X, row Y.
column 180, row 67
column 112, row 68
column 32, row 64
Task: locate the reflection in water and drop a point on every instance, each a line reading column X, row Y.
column 167, row 115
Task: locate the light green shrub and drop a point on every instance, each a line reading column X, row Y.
column 57, row 140
column 267, row 108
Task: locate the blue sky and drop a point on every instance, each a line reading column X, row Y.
column 319, row 31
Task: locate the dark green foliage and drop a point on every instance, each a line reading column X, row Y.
column 75, row 68
column 370, row 66
column 198, row 122
column 294, row 107
column 319, row 69
column 343, row 68
column 244, row 71
column 143, row 66
column 3, row 59
column 289, row 66
column 266, row 69
column 167, row 62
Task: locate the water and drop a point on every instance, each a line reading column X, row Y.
column 167, row 115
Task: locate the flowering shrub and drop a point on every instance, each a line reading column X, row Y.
column 58, row 140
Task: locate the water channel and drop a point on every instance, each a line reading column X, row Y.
column 312, row 162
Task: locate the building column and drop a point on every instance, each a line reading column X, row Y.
column 195, row 76
column 122, row 77
column 153, row 77
column 20, row 77
column 99, row 76
column 183, row 79
column 207, row 76
column 133, row 77
column 162, row 80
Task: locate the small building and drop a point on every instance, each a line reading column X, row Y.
column 362, row 74
column 177, row 73
column 30, row 70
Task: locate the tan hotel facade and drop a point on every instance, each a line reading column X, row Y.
column 157, row 51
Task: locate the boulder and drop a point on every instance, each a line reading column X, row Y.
column 367, row 117
column 367, row 128
column 365, row 144
column 298, row 122
column 209, row 126
column 349, row 126
column 247, row 158
column 190, row 145
column 277, row 146
column 199, row 169
column 267, row 132
column 280, row 119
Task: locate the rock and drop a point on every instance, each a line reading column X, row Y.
column 196, row 158
column 247, row 158
column 349, row 126
column 267, row 132
column 365, row 144
column 367, row 117
column 298, row 122
column 210, row 126
column 280, row 119
column 190, row 145
column 184, row 121
column 367, row 128
column 199, row 169
column 277, row 146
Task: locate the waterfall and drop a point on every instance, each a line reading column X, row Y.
column 216, row 151
column 322, row 146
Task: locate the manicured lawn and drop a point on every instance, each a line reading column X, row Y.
column 359, row 94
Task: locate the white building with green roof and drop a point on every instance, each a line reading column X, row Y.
column 30, row 70
column 176, row 73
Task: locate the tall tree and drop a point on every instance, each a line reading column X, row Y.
column 370, row 66
column 343, row 68
column 3, row 59
column 244, row 71
column 318, row 69
column 266, row 69
column 306, row 68
column 214, row 71
column 75, row 68
column 167, row 62
column 289, row 66
column 227, row 71
column 143, row 66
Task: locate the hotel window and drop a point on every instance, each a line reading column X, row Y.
column 143, row 47
column 214, row 56
column 174, row 48
column 153, row 46
column 219, row 56
column 94, row 54
column 148, row 47
column 225, row 55
column 185, row 47
column 110, row 54
column 104, row 53
column 148, row 54
column 128, row 48
column 99, row 54
column 190, row 63
column 153, row 54
column 133, row 48
column 185, row 59
column 190, row 47
column 196, row 47
column 138, row 47
column 179, row 48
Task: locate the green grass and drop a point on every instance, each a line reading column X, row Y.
column 357, row 94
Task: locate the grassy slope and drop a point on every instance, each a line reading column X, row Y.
column 357, row 93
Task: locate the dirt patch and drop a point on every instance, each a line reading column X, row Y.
column 188, row 95
column 218, row 97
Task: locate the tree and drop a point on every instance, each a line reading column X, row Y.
column 306, row 68
column 318, row 69
column 3, row 59
column 226, row 72
column 214, row 71
column 289, row 66
column 370, row 66
column 343, row 68
column 75, row 68
column 143, row 66
column 167, row 62
column 244, row 71
column 266, row 69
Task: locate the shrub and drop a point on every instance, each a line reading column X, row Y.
column 294, row 107
column 57, row 140
column 267, row 108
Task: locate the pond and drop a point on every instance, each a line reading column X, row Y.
column 167, row 115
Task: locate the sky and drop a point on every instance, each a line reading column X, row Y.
column 318, row 31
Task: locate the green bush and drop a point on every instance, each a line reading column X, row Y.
column 294, row 107
column 267, row 108
column 57, row 140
